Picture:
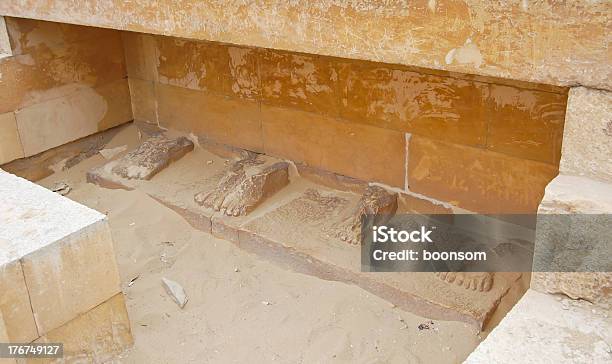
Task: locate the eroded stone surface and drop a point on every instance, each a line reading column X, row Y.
column 541, row 327
column 587, row 137
column 488, row 38
column 151, row 157
column 245, row 185
column 142, row 163
column 476, row 281
column 476, row 179
column 375, row 200
column 583, row 196
column 296, row 234
column 97, row 336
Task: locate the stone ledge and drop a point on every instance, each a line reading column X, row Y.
column 541, row 328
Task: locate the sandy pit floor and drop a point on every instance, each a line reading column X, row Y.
column 244, row 309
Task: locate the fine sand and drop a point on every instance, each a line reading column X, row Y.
column 243, row 309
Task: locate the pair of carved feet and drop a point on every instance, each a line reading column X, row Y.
column 377, row 200
column 248, row 182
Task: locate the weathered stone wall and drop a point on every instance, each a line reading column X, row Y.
column 553, row 42
column 63, row 82
column 584, row 186
column 485, row 145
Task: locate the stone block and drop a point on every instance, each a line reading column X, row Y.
column 413, row 203
column 476, row 179
column 438, row 107
column 10, row 144
column 351, row 149
column 587, row 138
column 19, row 325
column 584, row 198
column 594, row 287
column 141, row 55
column 28, row 35
column 540, row 328
column 307, row 82
column 222, row 119
column 526, row 124
column 83, row 112
column 574, row 194
column 194, row 65
column 49, row 73
column 144, row 100
column 205, row 66
column 65, row 250
column 96, row 336
column 81, row 265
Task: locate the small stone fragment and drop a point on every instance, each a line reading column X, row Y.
column 175, row 291
column 131, row 283
column 62, row 188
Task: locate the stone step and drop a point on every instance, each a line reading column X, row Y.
column 308, row 221
column 542, row 328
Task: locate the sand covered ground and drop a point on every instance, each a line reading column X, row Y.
column 242, row 308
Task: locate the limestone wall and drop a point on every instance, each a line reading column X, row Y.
column 584, row 186
column 554, row 42
column 63, row 82
column 485, row 144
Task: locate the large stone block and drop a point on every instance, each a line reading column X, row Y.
column 526, row 124
column 48, row 73
column 307, row 82
column 213, row 67
column 351, row 149
column 10, row 144
column 438, row 107
column 83, row 112
column 587, row 200
column 587, row 138
column 71, row 276
column 542, row 329
column 97, row 336
column 223, row 119
column 535, row 41
column 15, row 309
column 476, row 179
column 26, row 35
column 65, row 250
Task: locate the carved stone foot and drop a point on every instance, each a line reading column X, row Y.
column 375, row 200
column 151, row 157
column 475, row 281
column 247, row 184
